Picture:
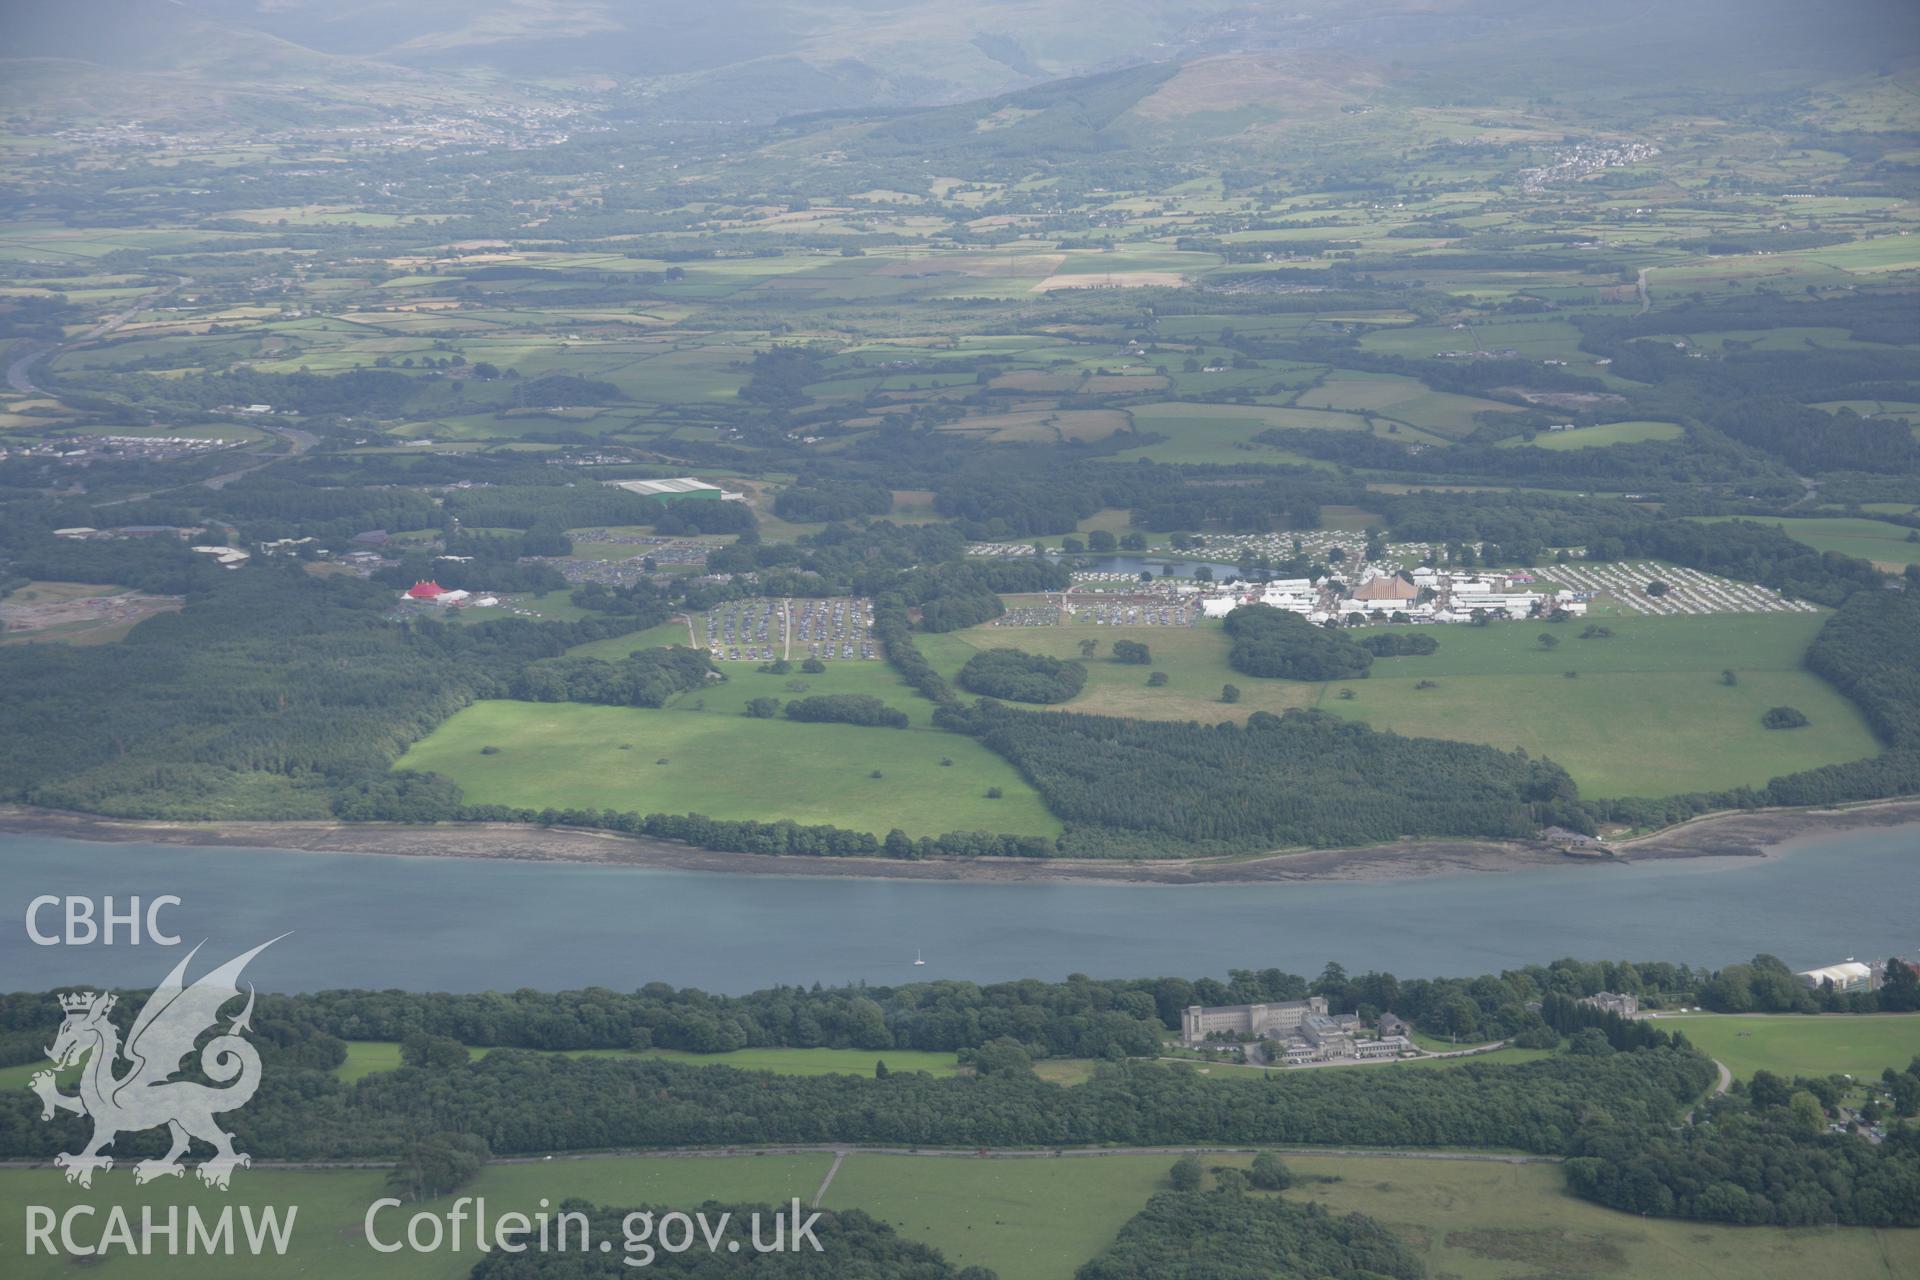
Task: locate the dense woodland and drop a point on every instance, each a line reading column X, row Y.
column 846, row 708
column 1204, row 1235
column 1609, row 1098
column 291, row 690
column 1078, row 1018
column 523, row 1102
column 1760, row 1156
column 1022, row 677
column 646, row 678
column 1302, row 778
column 1281, row 645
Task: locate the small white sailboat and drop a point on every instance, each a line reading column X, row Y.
column 916, row 956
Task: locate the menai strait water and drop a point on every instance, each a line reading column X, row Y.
column 453, row 924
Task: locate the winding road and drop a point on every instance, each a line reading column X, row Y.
column 19, row 378
column 20, row 368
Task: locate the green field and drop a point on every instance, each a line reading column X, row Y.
column 1026, row 1218
column 1480, row 1220
column 1645, row 734
column 1884, row 544
column 745, row 682
column 364, row 1057
column 17, row 1076
column 1607, row 433
column 819, row 1062
column 1398, row 398
column 1800, row 1044
column 1223, row 433
column 1647, row 715
column 724, row 765
column 617, row 647
column 1194, row 659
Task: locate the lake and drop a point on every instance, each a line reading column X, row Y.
column 465, row 925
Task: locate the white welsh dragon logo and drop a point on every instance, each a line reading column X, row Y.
column 145, row 1097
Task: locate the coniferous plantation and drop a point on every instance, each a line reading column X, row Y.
column 1070, row 473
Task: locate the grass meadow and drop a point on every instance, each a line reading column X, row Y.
column 1599, row 437
column 1025, row 1218
column 1040, row 1218
column 365, row 1057
column 1484, row 1220
column 1626, row 734
column 614, row 648
column 1648, row 713
column 728, row 766
column 1193, row 658
column 1884, row 544
column 1798, row 1044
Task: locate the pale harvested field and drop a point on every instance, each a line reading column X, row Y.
column 982, row 266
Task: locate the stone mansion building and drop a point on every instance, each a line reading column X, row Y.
column 1279, row 1021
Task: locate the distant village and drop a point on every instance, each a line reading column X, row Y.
column 81, row 449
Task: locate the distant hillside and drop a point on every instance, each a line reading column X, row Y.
column 171, row 36
column 755, row 61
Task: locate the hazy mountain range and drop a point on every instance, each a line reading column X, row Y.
column 758, row 60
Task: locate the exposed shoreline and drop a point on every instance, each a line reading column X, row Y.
column 1752, row 834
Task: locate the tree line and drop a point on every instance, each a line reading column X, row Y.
column 1302, row 778
column 522, row 1102
column 1080, row 1017
column 1762, row 1155
column 1191, row 1234
column 1282, row 645
column 1019, row 676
